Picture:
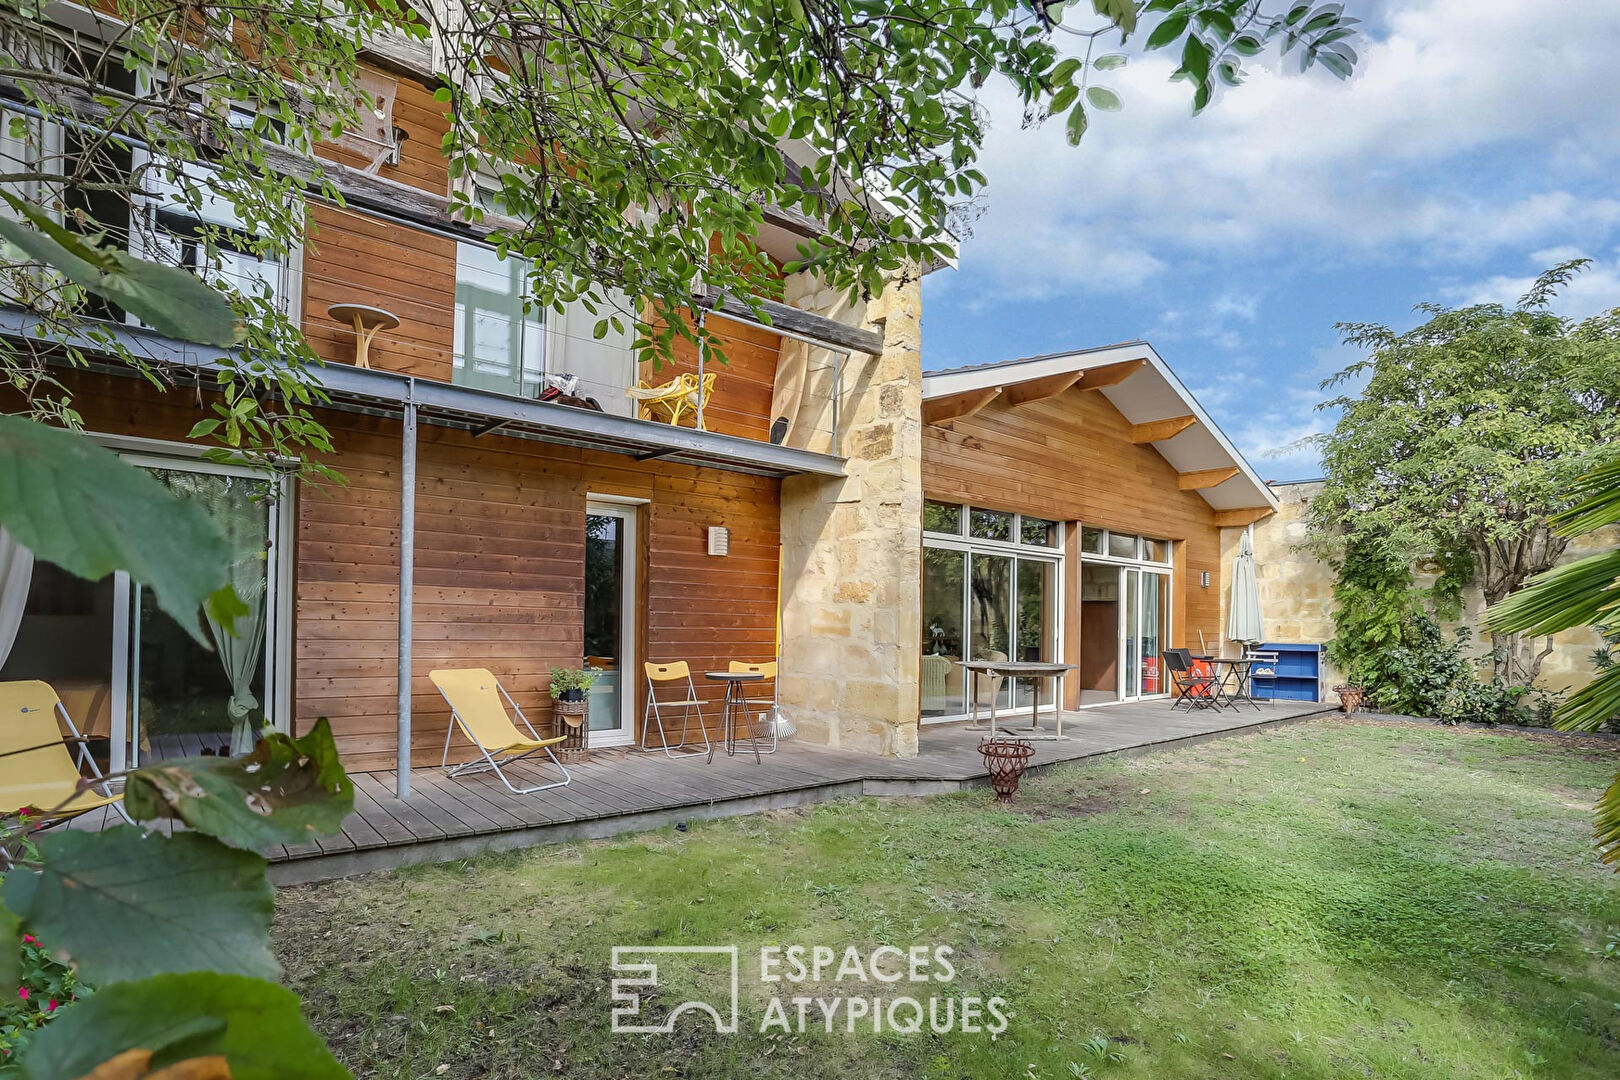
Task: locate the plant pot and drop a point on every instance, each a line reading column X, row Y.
column 1006, row 759
column 1349, row 698
column 565, row 707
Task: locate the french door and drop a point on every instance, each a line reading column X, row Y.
column 1125, row 625
column 187, row 690
column 610, row 620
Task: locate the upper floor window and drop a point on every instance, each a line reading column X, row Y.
column 999, row 526
column 1123, row 546
column 498, row 346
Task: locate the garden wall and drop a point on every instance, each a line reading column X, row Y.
column 1296, row 590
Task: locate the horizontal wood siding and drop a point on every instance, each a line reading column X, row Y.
column 499, row 565
column 1070, row 458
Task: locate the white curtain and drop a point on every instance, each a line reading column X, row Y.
column 16, row 572
column 240, row 652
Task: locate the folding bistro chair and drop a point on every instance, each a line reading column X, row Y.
column 1192, row 680
column 475, row 705
column 37, row 770
column 654, row 715
column 749, row 703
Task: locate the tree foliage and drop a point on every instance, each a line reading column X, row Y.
column 1464, row 438
column 630, row 150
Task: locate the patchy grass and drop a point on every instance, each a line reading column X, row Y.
column 1338, row 899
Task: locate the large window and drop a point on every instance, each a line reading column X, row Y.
column 990, row 591
column 498, row 346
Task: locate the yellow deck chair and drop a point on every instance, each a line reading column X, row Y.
column 475, row 704
column 671, row 401
column 37, row 770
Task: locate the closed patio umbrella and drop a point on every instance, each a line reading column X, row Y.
column 1243, row 622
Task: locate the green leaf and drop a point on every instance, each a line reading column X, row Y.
column 1122, row 13
column 1063, row 99
column 288, row 791
column 1169, row 30
column 1247, row 45
column 256, row 1025
column 80, row 506
column 1102, row 98
column 1109, row 61
column 1064, row 71
column 124, row 905
column 1076, row 127
column 10, row 947
column 168, row 299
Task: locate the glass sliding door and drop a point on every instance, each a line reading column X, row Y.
column 610, row 605
column 1125, row 599
column 990, row 622
column 1155, row 617
column 1035, row 639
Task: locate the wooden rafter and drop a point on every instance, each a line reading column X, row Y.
column 1159, row 430
column 1236, row 519
column 1206, row 478
column 943, row 410
column 1110, row 374
column 1036, row 389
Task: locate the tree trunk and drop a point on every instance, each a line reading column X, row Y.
column 1503, row 566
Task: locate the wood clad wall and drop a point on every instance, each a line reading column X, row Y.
column 500, row 561
column 499, row 565
column 1070, row 458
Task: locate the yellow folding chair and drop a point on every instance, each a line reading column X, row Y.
column 37, row 770
column 676, row 673
column 768, row 670
column 475, row 705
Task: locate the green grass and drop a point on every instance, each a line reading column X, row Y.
column 1380, row 900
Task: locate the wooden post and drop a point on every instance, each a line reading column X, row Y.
column 407, row 575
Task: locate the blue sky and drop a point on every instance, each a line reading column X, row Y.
column 1477, row 143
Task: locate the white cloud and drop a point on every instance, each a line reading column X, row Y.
column 1382, row 168
column 1596, row 289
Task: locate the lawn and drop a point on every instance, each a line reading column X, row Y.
column 1332, row 899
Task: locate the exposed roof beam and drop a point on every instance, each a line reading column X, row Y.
column 1038, row 389
column 956, row 406
column 1232, row 519
column 1206, row 478
column 1110, row 374
column 827, row 331
column 1159, row 430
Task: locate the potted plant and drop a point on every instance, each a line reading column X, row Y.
column 568, row 687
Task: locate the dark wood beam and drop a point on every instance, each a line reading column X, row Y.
column 798, row 321
column 1206, row 478
column 1037, row 389
column 943, row 410
column 1159, row 430
column 1236, row 519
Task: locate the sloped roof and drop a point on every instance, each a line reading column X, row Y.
column 1150, row 392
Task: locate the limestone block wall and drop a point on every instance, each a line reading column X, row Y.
column 1296, row 590
column 852, row 547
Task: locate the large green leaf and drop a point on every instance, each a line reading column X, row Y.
column 255, row 1024
column 83, row 508
column 287, row 791
column 170, row 300
column 124, row 905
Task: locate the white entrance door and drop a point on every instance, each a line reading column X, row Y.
column 610, row 620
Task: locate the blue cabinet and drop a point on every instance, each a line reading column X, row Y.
column 1298, row 676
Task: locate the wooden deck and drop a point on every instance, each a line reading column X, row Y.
column 626, row 790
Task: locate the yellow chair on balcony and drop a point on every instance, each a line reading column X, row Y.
column 671, row 401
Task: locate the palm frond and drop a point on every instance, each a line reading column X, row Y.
column 1607, row 831
column 1587, row 708
column 1598, row 493
column 1580, row 593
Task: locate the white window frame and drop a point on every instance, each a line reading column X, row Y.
column 1166, row 571
column 278, row 637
